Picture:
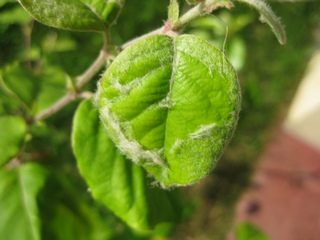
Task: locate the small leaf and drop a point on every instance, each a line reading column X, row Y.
column 19, row 218
column 171, row 105
column 36, row 92
column 12, row 133
column 122, row 186
column 79, row 15
column 173, row 11
column 22, row 82
column 107, row 10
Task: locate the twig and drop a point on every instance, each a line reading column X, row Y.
column 96, row 65
column 55, row 107
column 80, row 82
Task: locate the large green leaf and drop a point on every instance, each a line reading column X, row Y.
column 118, row 183
column 171, row 105
column 19, row 218
column 79, row 15
column 12, row 134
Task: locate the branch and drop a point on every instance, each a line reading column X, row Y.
column 55, row 107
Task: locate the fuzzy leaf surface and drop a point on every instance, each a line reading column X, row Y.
column 12, row 133
column 116, row 182
column 171, row 105
column 18, row 204
column 79, row 15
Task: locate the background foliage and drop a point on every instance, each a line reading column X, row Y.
column 63, row 205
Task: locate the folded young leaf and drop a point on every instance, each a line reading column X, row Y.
column 116, row 182
column 79, row 15
column 170, row 105
column 12, row 133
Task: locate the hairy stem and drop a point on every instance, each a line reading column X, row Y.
column 199, row 10
column 269, row 17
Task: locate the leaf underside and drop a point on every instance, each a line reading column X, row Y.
column 113, row 180
column 78, row 15
column 171, row 105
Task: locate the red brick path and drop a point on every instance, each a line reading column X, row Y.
column 284, row 199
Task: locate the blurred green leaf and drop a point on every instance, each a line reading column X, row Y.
column 8, row 105
column 66, row 215
column 12, row 134
column 53, row 87
column 106, row 10
column 121, row 185
column 39, row 91
column 14, row 15
column 247, row 231
column 19, row 218
column 237, row 53
column 3, row 2
column 79, row 15
column 22, row 82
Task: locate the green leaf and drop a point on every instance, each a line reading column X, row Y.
column 14, row 15
column 22, row 82
column 171, row 105
column 122, row 186
column 3, row 2
column 8, row 105
column 79, row 15
column 36, row 92
column 12, row 134
column 19, row 218
column 53, row 87
column 107, row 10
column 66, row 215
column 247, row 231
